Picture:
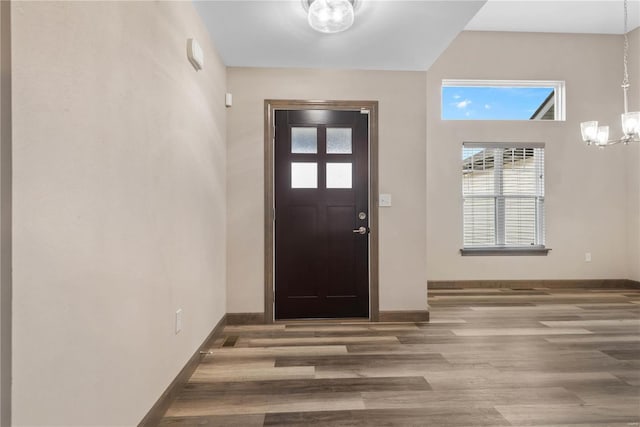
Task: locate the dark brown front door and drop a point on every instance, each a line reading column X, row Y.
column 321, row 214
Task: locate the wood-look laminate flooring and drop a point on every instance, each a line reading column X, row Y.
column 488, row 357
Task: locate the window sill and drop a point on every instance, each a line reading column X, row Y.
column 505, row 251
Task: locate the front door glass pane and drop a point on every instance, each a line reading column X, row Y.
column 338, row 140
column 304, row 140
column 304, row 175
column 339, row 175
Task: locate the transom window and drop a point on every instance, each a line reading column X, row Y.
column 503, row 100
column 503, row 195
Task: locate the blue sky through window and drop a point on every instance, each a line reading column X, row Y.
column 491, row 103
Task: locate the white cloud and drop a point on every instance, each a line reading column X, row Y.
column 456, row 96
column 487, row 106
column 468, row 113
column 463, row 104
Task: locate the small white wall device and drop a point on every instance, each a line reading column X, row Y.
column 195, row 54
column 228, row 100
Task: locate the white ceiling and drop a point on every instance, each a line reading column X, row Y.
column 386, row 35
column 602, row 17
column 389, row 34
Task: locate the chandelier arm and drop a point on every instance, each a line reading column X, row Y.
column 613, row 142
column 607, row 144
column 621, row 140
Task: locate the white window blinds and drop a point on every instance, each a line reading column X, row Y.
column 503, row 195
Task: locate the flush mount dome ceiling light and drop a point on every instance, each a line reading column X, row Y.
column 330, row 16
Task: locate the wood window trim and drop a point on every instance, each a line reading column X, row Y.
column 270, row 106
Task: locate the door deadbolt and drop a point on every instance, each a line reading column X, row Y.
column 362, row 215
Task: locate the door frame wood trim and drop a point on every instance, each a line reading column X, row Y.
column 6, row 219
column 270, row 106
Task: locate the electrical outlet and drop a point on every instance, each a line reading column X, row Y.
column 587, row 257
column 178, row 320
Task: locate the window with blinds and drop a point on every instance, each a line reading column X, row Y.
column 503, row 195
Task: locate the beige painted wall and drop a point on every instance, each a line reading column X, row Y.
column 633, row 162
column 585, row 187
column 402, row 173
column 119, row 202
column 5, row 214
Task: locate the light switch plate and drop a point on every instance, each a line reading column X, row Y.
column 385, row 200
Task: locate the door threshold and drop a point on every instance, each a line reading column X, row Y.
column 306, row 321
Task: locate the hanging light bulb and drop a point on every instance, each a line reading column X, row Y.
column 330, row 16
column 631, row 124
column 589, row 131
column 603, row 135
column 592, row 134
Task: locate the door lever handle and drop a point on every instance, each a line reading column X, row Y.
column 360, row 230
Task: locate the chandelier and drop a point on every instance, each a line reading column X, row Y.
column 330, row 16
column 593, row 134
